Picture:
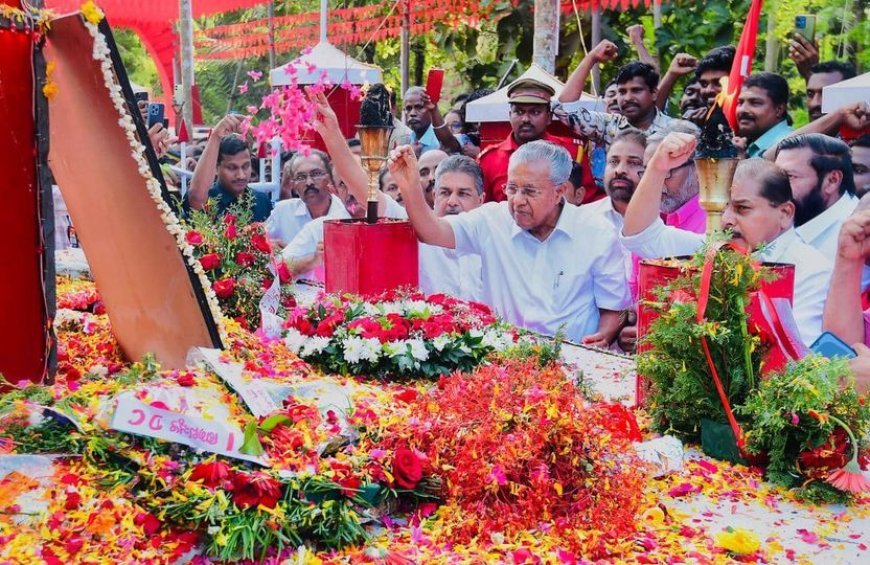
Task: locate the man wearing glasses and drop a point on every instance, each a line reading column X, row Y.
column 529, row 117
column 546, row 265
column 311, row 179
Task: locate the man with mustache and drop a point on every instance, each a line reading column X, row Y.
column 760, row 213
column 311, row 178
column 822, row 75
column 636, row 92
column 428, row 129
column 546, row 265
column 227, row 154
column 529, row 116
column 428, row 163
column 622, row 172
column 819, row 168
column 762, row 112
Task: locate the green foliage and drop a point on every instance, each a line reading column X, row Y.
column 798, row 410
column 683, row 389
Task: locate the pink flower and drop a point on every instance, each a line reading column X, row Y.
column 255, row 75
column 849, row 479
column 243, row 88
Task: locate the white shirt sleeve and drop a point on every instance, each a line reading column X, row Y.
column 393, row 209
column 609, row 284
column 305, row 242
column 470, row 228
column 659, row 240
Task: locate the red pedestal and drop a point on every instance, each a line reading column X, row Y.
column 366, row 258
column 652, row 275
column 24, row 335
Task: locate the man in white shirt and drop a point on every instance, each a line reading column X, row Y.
column 546, row 265
column 819, row 169
column 622, row 172
column 458, row 189
column 760, row 212
column 311, row 177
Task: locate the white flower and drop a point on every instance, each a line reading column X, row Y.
column 315, row 345
column 396, row 348
column 294, row 340
column 392, row 308
column 418, row 349
column 417, row 307
column 370, row 309
column 353, row 349
column 440, row 342
column 474, row 332
column 371, row 349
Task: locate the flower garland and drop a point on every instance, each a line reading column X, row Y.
column 397, row 335
column 102, row 54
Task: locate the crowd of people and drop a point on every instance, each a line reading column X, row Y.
column 550, row 237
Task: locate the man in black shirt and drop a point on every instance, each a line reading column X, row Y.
column 226, row 154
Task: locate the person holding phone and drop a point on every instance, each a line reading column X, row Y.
column 428, row 129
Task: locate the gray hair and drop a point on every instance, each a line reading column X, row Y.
column 544, row 151
column 414, row 90
column 679, row 126
column 316, row 153
column 460, row 164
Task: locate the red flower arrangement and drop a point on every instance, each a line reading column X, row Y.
column 396, row 334
column 517, row 446
column 237, row 258
column 255, row 489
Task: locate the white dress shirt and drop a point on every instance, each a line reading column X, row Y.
column 812, row 271
column 289, row 216
column 823, row 231
column 442, row 271
column 604, row 208
column 545, row 286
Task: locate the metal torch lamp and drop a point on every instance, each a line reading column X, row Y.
column 375, row 144
column 715, row 177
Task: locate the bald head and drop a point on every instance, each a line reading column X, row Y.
column 427, row 164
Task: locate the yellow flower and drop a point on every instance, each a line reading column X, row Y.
column 49, row 89
column 92, row 12
column 738, row 541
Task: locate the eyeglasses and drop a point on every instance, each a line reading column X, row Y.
column 315, row 176
column 512, row 190
column 675, row 169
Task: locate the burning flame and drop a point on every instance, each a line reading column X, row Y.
column 728, row 102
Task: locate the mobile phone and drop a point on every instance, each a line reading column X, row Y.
column 830, row 346
column 434, row 82
column 805, row 25
column 178, row 95
column 141, row 96
column 156, row 111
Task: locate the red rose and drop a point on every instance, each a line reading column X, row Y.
column 284, row 274
column 224, row 288
column 407, row 468
column 232, row 232
column 149, row 522
column 193, row 237
column 212, row 474
column 260, row 243
column 73, row 501
column 251, row 490
column 186, row 379
column 245, row 259
column 230, row 219
column 210, row 261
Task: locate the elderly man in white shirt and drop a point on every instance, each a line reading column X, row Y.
column 546, row 265
column 311, row 177
column 760, row 212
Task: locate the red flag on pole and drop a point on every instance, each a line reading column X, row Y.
column 742, row 66
column 182, row 135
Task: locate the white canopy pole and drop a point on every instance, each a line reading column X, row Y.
column 323, row 21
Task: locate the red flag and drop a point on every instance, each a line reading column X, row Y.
column 182, row 135
column 742, row 66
